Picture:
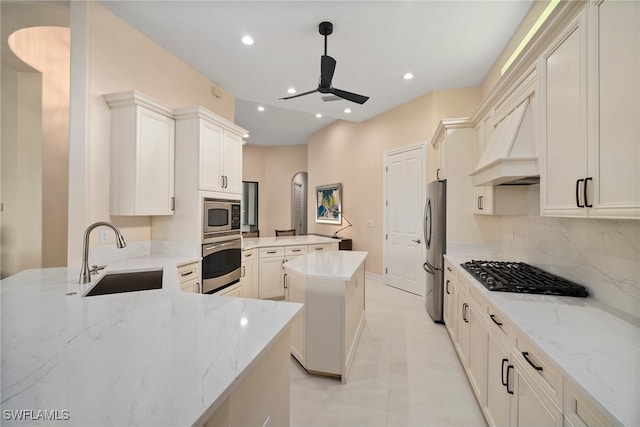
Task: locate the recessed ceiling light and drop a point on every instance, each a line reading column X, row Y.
column 407, row 76
column 291, row 90
column 260, row 108
column 248, row 40
column 318, row 115
column 347, row 110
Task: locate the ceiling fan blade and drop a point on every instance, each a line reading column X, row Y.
column 349, row 96
column 301, row 94
column 327, row 67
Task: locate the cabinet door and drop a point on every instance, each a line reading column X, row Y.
column 449, row 314
column 462, row 333
column 532, row 407
column 483, row 195
column 191, row 286
column 614, row 109
column 248, row 279
column 563, row 157
column 271, row 278
column 296, row 293
column 211, row 140
column 477, row 369
column 154, row 163
column 232, row 163
column 497, row 404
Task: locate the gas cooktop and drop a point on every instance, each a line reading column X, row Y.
column 504, row 276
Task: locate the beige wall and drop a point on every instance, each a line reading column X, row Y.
column 352, row 154
column 111, row 56
column 273, row 168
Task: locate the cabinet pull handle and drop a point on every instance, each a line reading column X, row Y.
column 509, row 367
column 479, row 208
column 438, row 173
column 447, row 287
column 586, row 199
column 464, row 312
column 285, row 280
column 198, row 288
column 493, row 317
column 271, row 252
column 173, row 203
column 221, row 181
column 533, row 365
column 481, row 202
column 243, row 271
column 449, row 269
column 188, row 273
column 578, row 193
column 248, row 255
column 296, row 250
column 319, row 249
column 504, row 382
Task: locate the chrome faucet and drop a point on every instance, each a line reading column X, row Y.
column 85, row 273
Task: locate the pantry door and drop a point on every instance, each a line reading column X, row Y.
column 404, row 196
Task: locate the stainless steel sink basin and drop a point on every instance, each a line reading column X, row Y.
column 113, row 283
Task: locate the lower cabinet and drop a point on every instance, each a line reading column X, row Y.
column 249, row 274
column 189, row 277
column 514, row 383
column 232, row 291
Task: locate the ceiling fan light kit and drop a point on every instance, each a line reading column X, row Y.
column 327, row 68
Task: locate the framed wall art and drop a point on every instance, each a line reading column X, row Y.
column 329, row 204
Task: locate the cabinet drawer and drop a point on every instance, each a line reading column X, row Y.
column 272, row 252
column 295, row 250
column 498, row 326
column 323, row 247
column 579, row 413
column 188, row 272
column 540, row 368
column 248, row 255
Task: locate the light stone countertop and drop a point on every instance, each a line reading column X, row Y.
column 597, row 351
column 265, row 242
column 334, row 265
column 158, row 357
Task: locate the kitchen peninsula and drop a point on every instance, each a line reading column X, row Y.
column 157, row 357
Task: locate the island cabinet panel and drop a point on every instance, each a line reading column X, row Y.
column 249, row 274
column 263, row 397
column 325, row 333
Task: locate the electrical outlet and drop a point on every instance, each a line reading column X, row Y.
column 104, row 236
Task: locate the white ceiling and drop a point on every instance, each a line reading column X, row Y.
column 445, row 44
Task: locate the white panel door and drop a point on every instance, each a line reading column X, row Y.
column 210, row 162
column 232, row 168
column 405, row 194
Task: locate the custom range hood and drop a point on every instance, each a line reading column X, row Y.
column 510, row 158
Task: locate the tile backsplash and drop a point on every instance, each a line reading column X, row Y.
column 603, row 255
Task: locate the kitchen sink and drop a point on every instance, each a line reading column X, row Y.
column 113, row 283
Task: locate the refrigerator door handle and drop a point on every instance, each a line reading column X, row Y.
column 431, row 268
column 427, row 224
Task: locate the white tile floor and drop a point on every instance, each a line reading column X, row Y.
column 405, row 373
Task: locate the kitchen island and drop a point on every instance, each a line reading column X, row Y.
column 156, row 357
column 325, row 333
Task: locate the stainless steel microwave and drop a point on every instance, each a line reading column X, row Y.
column 221, row 217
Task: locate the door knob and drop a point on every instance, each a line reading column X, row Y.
column 417, row 241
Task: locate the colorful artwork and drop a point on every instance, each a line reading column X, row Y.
column 329, row 204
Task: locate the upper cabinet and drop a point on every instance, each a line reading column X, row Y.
column 142, row 155
column 590, row 132
column 217, row 143
column 483, row 194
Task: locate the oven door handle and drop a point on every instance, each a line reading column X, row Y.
column 209, row 249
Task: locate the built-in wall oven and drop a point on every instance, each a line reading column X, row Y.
column 221, row 244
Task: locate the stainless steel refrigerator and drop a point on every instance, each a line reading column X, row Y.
column 435, row 221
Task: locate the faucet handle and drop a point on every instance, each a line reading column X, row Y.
column 95, row 268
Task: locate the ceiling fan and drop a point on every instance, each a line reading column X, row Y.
column 327, row 67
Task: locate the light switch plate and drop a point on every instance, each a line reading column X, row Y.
column 104, row 236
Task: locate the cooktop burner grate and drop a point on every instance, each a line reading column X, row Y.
column 504, row 276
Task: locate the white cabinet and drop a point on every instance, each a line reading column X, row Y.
column 590, row 131
column 323, row 247
column 496, row 407
column 531, row 407
column 214, row 145
column 232, row 291
column 450, row 295
column 483, row 195
column 578, row 412
column 325, row 333
column 189, row 277
column 249, row 274
column 440, row 156
column 271, row 273
column 142, row 155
